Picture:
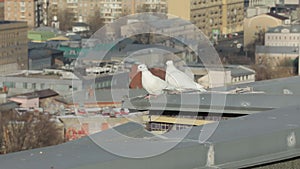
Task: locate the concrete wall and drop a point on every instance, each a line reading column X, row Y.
column 274, row 58
column 26, row 103
column 40, row 64
column 5, row 68
column 180, row 8
column 253, row 11
column 62, row 86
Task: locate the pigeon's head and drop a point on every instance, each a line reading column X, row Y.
column 169, row 62
column 142, row 68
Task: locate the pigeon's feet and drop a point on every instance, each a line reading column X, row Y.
column 149, row 96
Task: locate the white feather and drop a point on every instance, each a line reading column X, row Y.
column 179, row 79
column 153, row 84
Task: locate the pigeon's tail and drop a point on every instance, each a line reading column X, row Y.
column 200, row 88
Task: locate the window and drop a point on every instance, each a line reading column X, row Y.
column 25, row 85
column 33, row 86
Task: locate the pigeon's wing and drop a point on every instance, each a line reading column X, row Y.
column 152, row 84
column 181, row 80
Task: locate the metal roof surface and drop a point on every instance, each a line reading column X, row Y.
column 276, row 49
column 213, row 102
column 247, row 141
column 281, row 86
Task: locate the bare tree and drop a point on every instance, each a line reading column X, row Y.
column 28, row 131
column 95, row 22
column 65, row 19
column 268, row 70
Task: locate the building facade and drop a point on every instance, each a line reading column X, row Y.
column 155, row 6
column 111, row 10
column 20, row 11
column 75, row 9
column 275, row 55
column 31, row 11
column 13, row 46
column 283, row 36
column 281, row 45
column 255, row 3
column 255, row 28
column 211, row 16
column 131, row 6
column 1, row 9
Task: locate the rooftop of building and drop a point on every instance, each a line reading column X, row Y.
column 54, row 74
column 285, row 29
column 10, row 22
column 102, row 95
column 262, row 138
column 168, row 23
column 281, row 86
column 39, row 53
column 275, row 15
column 214, row 102
column 239, row 70
column 8, row 106
column 41, row 94
column 81, row 24
column 277, row 50
column 38, row 75
column 48, row 29
column 236, row 70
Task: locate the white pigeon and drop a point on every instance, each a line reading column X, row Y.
column 153, row 84
column 179, row 79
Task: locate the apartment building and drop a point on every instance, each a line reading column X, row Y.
column 34, row 12
column 20, row 10
column 155, row 6
column 1, row 9
column 111, row 10
column 13, row 46
column 131, row 6
column 85, row 10
column 82, row 9
column 211, row 16
column 269, row 3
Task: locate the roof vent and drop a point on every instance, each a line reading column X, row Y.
column 294, row 30
column 287, row 91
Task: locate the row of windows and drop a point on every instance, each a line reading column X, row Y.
column 25, row 85
column 212, row 13
column 240, row 78
column 276, row 58
column 102, row 85
column 204, row 2
column 12, row 35
column 282, row 37
column 160, row 126
column 295, row 44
